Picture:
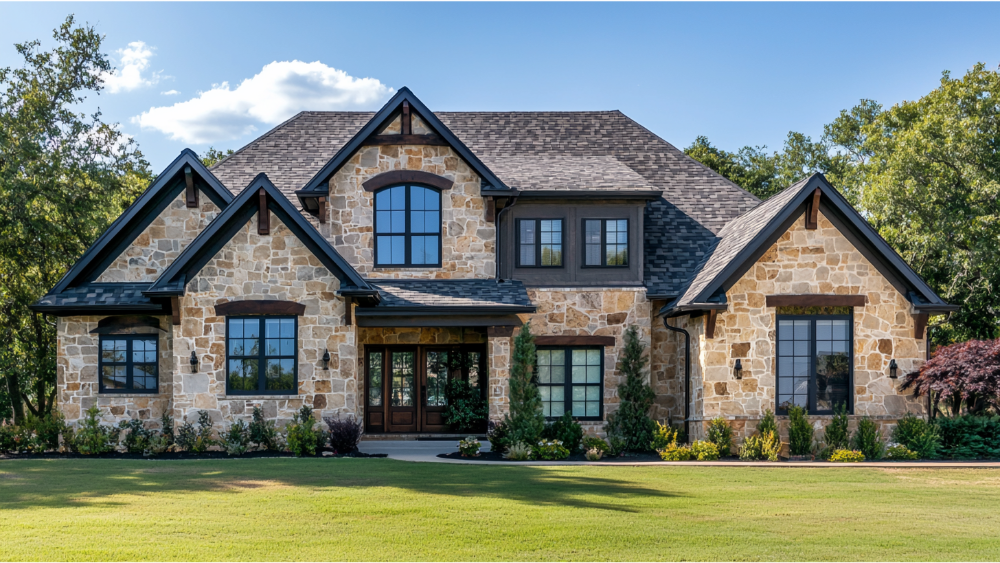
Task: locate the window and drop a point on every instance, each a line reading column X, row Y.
column 254, row 368
column 605, row 242
column 814, row 362
column 128, row 364
column 540, row 243
column 408, row 226
column 571, row 379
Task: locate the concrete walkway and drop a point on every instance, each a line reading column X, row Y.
column 415, row 450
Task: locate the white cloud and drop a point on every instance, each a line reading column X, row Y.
column 280, row 90
column 169, row 93
column 134, row 61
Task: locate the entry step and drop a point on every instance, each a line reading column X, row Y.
column 418, row 436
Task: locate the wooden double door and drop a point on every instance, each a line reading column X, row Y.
column 406, row 386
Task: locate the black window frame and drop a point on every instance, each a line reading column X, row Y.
column 262, row 357
column 568, row 381
column 128, row 363
column 812, row 410
column 407, row 234
column 538, row 242
column 604, row 242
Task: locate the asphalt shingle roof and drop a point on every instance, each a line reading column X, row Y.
column 100, row 295
column 451, row 293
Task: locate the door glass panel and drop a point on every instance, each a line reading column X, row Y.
column 474, row 365
column 402, row 379
column 375, row 379
column 832, row 363
column 437, row 378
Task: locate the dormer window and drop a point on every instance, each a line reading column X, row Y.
column 407, row 227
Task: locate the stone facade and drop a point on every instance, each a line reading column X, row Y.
column 162, row 241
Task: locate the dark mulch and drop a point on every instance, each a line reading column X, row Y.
column 496, row 456
column 179, row 455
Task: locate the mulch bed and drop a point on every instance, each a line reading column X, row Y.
column 182, row 455
column 496, row 456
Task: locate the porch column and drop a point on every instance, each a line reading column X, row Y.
column 498, row 344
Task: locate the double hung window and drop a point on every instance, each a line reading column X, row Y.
column 605, row 242
column 128, row 363
column 571, row 379
column 814, row 361
column 540, row 243
column 261, row 355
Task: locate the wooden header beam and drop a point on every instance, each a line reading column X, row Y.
column 574, row 340
column 815, row 300
column 260, row 307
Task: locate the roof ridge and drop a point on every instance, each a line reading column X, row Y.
column 268, row 133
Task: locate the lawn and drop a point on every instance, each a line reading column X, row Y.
column 379, row 509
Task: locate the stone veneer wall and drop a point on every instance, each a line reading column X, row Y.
column 802, row 261
column 276, row 266
column 77, row 378
column 593, row 312
column 468, row 241
column 667, row 367
column 162, row 241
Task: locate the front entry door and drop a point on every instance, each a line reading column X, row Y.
column 402, row 390
column 435, row 380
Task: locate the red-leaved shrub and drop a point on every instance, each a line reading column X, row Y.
column 965, row 373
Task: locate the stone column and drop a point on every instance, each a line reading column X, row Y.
column 499, row 358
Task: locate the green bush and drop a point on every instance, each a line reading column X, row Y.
column 767, row 424
column 760, row 447
column 616, row 445
column 663, row 437
column 236, row 441
column 566, row 430
column 917, row 435
column 836, row 436
column 158, row 443
column 467, row 409
column 704, row 451
column 847, row 456
column 525, row 420
column 94, row 438
column 263, row 432
column 167, row 429
column 134, row 436
column 519, row 451
column 969, row 437
column 203, row 439
column 900, row 452
column 673, row 452
column 46, row 430
column 301, row 434
column 631, row 422
column 595, row 443
column 186, row 437
column 551, row 450
column 7, row 434
column 800, row 432
column 498, row 434
column 721, row 434
column 867, row 439
column 469, row 447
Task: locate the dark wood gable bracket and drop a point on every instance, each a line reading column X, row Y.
column 175, row 310
column 263, row 215
column 192, row 193
column 406, row 120
column 712, row 315
column 919, row 325
column 322, row 209
column 812, row 210
column 260, row 307
column 395, row 177
column 499, row 331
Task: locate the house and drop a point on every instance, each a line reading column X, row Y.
column 356, row 261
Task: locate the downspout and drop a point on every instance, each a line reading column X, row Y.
column 687, row 376
column 500, row 234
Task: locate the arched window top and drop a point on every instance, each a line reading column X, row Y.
column 407, row 226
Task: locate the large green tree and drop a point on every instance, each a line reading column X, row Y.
column 64, row 176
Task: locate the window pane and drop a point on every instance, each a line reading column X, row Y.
column 375, row 379
column 402, row 379
column 593, row 232
column 251, row 328
column 397, row 197
column 288, row 328
column 527, row 244
column 113, row 377
column 558, row 357
column 397, row 222
column 243, row 375
column 437, row 378
column 417, row 250
column 544, row 374
column 272, row 328
column 280, row 375
column 544, row 357
column 383, row 222
column 559, row 374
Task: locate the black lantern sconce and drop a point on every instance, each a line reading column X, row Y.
column 326, row 359
column 738, row 369
column 893, row 369
column 194, row 362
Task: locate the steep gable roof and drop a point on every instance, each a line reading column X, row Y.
column 207, row 244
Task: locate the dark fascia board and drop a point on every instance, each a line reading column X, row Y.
column 603, row 195
column 430, row 311
column 442, row 320
column 193, row 258
column 67, row 310
column 314, row 187
column 864, row 238
column 142, row 212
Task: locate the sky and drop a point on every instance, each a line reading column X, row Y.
column 221, row 74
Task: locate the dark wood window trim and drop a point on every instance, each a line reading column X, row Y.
column 262, row 358
column 815, row 300
column 396, row 177
column 574, row 341
column 538, row 242
column 604, row 242
column 259, row 307
column 567, row 385
column 407, row 233
column 128, row 364
column 812, row 362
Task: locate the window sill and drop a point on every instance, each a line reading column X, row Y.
column 258, row 397
column 133, row 395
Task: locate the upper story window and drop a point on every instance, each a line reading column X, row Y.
column 408, row 226
column 255, row 367
column 605, row 242
column 539, row 243
column 128, row 364
column 814, row 360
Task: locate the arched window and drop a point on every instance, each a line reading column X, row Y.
column 408, row 226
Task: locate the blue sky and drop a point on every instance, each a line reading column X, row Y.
column 739, row 73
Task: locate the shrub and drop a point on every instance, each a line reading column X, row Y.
column 767, row 424
column 673, row 452
column 345, row 434
column 847, row 456
column 519, row 451
column 7, row 433
column 167, row 429
column 263, row 432
column 469, row 447
column 134, row 436
column 966, row 374
column 46, row 429
column 300, row 434
column 836, row 436
column 616, row 446
column 704, row 451
column 552, row 450
column 498, row 435
column 594, row 454
column 969, row 437
column 237, row 439
column 186, row 437
column 721, row 434
column 760, row 447
column 158, row 443
column 800, row 432
column 467, row 409
column 917, row 435
column 867, row 439
column 631, row 422
column 595, row 443
column 566, row 430
column 203, row 439
column 663, row 436
column 94, row 438
column 900, row 452
column 525, row 420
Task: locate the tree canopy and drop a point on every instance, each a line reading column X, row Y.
column 965, row 376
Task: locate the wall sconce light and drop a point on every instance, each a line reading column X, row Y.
column 893, row 368
column 194, row 362
column 326, row 359
column 738, row 369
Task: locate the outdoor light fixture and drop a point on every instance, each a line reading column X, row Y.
column 892, row 369
column 326, row 359
column 738, row 370
column 194, row 362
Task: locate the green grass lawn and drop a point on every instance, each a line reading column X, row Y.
column 378, row 509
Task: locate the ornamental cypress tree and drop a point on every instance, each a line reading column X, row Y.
column 525, row 418
column 631, row 422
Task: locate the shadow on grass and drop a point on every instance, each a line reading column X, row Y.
column 96, row 482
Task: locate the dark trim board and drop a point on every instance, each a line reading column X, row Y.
column 815, row 300
column 111, row 325
column 408, row 321
column 396, row 177
column 426, row 140
column 260, row 307
column 574, row 340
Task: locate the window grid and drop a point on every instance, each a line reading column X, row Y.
column 407, row 226
column 571, row 379
column 814, row 363
column 128, row 364
column 605, row 243
column 540, row 243
column 246, row 355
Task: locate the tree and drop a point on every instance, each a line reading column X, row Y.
column 631, row 422
column 64, row 176
column 213, row 156
column 525, row 418
column 966, row 375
